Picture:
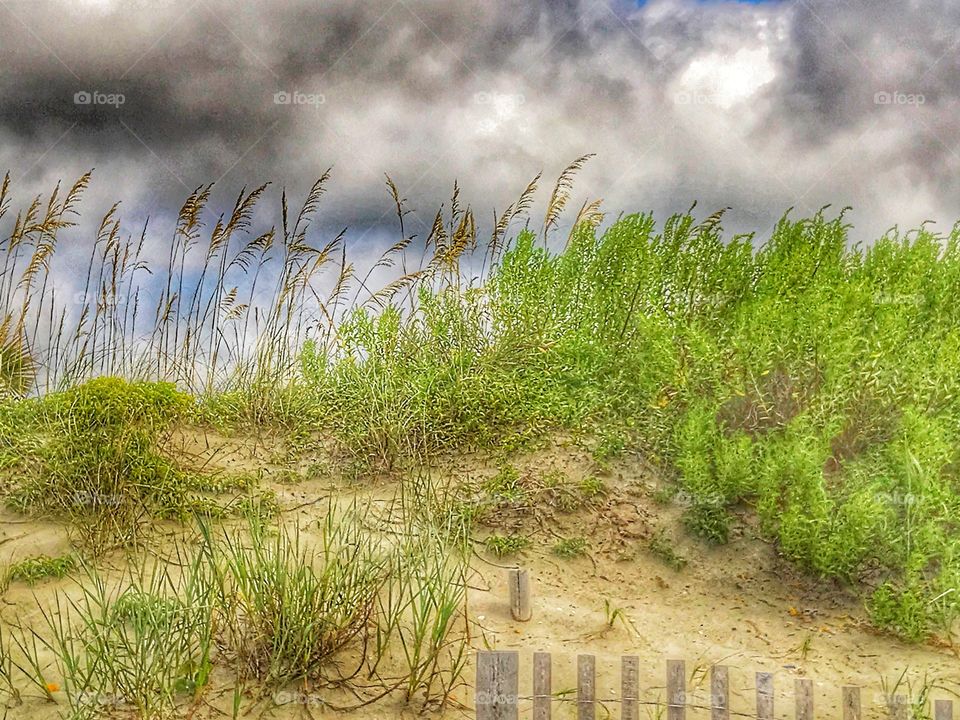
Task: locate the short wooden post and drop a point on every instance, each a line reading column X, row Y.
column 586, row 687
column 542, row 687
column 630, row 687
column 764, row 696
column 498, row 685
column 519, row 594
column 899, row 709
column 851, row 703
column 803, row 690
column 719, row 693
column 943, row 710
column 676, row 690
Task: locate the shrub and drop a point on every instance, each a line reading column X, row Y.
column 102, row 463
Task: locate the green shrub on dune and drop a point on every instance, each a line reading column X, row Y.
column 100, row 457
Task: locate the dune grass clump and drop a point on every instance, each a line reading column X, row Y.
column 350, row 608
column 568, row 548
column 100, row 461
column 505, row 545
column 285, row 611
column 41, row 567
column 142, row 645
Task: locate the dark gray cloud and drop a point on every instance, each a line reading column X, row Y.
column 756, row 106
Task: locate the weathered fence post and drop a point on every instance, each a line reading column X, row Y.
column 676, row 690
column 719, row 693
column 943, row 710
column 764, row 696
column 519, row 581
column 586, row 687
column 630, row 687
column 899, row 709
column 542, row 686
column 498, row 685
column 803, row 690
column 851, row 703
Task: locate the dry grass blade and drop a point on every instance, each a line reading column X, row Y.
column 5, row 195
column 310, row 205
column 17, row 368
column 561, row 193
column 713, row 222
column 590, row 214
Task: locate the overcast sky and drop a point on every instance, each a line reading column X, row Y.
column 755, row 105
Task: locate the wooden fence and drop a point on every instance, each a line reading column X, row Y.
column 498, row 679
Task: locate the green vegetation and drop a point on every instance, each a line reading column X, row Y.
column 506, row 486
column 570, row 547
column 812, row 383
column 267, row 607
column 610, row 445
column 504, row 545
column 41, row 567
column 663, row 548
column 96, row 459
column 592, row 487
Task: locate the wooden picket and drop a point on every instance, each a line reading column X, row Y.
column 630, row 687
column 497, row 694
column 541, row 686
column 719, row 693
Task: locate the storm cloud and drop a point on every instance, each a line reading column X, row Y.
column 757, row 106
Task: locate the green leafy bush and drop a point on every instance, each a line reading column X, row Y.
column 102, row 457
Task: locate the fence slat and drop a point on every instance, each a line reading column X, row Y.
column 498, row 683
column 803, row 690
column 676, row 690
column 943, row 710
column 519, row 581
column 719, row 693
column 630, row 687
column 899, row 709
column 764, row 696
column 851, row 703
column 586, row 687
column 542, row 686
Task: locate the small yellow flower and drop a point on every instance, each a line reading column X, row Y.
column 52, row 687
